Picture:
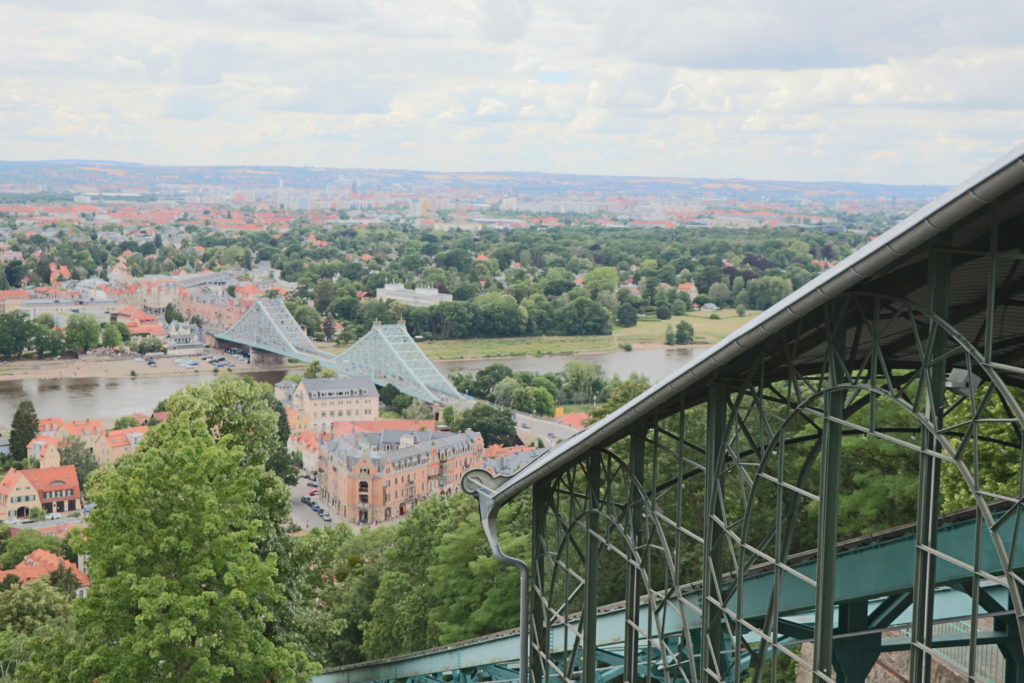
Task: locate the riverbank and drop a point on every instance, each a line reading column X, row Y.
column 99, row 367
column 646, row 335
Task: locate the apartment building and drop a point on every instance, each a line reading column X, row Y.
column 319, row 403
column 372, row 478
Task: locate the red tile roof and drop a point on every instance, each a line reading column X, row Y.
column 53, row 478
column 39, row 564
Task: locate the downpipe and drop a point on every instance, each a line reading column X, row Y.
column 489, row 519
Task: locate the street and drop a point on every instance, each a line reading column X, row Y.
column 550, row 431
column 302, row 514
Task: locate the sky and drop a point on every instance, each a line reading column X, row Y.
column 893, row 91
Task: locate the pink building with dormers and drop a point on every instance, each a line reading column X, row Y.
column 372, row 478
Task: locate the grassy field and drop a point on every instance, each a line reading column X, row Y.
column 646, row 332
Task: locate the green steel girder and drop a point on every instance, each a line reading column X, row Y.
column 748, row 422
column 868, row 571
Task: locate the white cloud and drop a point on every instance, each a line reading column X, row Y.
column 858, row 90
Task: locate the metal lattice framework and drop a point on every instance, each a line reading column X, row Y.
column 713, row 506
column 389, row 355
column 269, row 326
column 386, row 353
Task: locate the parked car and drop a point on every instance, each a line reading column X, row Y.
column 305, row 499
column 316, row 508
column 53, row 515
column 326, row 516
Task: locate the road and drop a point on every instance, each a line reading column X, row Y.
column 302, row 514
column 530, row 428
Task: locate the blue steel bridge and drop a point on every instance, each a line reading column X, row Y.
column 694, row 534
column 386, row 353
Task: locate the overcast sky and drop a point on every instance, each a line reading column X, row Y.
column 895, row 91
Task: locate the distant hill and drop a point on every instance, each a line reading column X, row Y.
column 111, row 176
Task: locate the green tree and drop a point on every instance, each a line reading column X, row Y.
column 49, row 341
column 406, row 627
column 765, row 291
column 622, row 393
column 16, row 333
column 316, row 371
column 81, row 333
column 64, row 580
column 24, row 610
column 26, row 607
column 720, row 294
column 502, row 392
column 110, row 337
column 684, row 333
column 181, row 588
column 499, row 315
column 583, row 381
column 147, row 345
column 172, row 314
column 15, row 272
column 601, row 278
column 584, row 316
column 473, row 593
column 323, row 295
column 126, row 421
column 670, row 336
column 74, row 451
column 24, row 426
column 495, row 425
column 307, row 317
column 328, row 327
column 626, row 315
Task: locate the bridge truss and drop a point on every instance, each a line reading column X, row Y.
column 269, row 326
column 903, row 364
column 389, row 355
column 386, row 353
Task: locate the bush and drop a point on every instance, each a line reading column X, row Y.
column 714, row 316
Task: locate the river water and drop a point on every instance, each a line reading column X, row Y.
column 108, row 398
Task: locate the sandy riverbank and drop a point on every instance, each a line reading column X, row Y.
column 100, row 367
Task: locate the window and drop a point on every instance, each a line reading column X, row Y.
column 363, row 498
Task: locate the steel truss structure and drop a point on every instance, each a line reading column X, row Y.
column 269, row 326
column 389, row 355
column 701, row 503
column 386, row 353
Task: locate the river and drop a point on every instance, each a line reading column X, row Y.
column 108, row 398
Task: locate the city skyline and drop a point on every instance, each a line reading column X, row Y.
column 856, row 92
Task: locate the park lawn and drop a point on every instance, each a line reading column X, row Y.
column 706, row 331
column 646, row 331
